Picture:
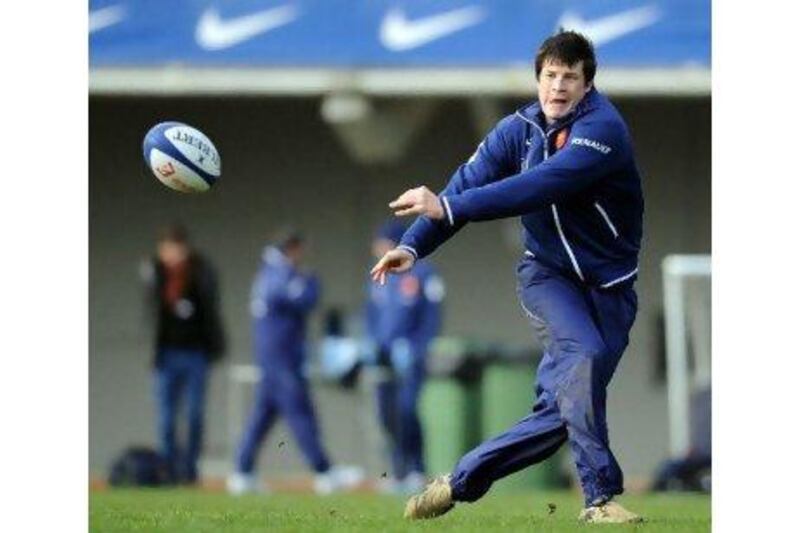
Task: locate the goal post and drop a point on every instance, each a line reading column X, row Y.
column 687, row 316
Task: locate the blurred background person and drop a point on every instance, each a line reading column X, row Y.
column 691, row 471
column 184, row 300
column 402, row 317
column 282, row 298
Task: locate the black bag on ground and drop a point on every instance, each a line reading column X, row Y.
column 138, row 466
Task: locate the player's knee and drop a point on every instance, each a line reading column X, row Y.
column 574, row 394
column 595, row 350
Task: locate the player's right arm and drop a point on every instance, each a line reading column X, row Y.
column 495, row 158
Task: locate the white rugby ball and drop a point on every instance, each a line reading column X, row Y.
column 182, row 157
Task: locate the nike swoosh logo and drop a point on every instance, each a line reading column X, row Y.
column 397, row 33
column 609, row 28
column 214, row 33
column 100, row 19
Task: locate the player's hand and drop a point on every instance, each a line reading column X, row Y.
column 419, row 201
column 394, row 261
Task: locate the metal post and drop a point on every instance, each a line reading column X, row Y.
column 675, row 269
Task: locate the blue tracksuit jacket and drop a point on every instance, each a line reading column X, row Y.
column 408, row 307
column 574, row 183
column 281, row 300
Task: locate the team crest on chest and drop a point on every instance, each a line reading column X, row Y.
column 561, row 138
column 409, row 286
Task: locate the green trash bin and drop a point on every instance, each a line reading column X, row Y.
column 508, row 395
column 450, row 402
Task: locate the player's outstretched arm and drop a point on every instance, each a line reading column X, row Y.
column 393, row 262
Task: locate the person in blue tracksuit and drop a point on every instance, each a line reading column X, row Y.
column 282, row 298
column 402, row 317
column 565, row 165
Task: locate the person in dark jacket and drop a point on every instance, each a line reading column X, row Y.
column 282, row 298
column 565, row 165
column 402, row 318
column 184, row 299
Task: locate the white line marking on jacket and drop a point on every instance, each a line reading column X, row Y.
column 620, row 279
column 565, row 243
column 410, row 250
column 607, row 219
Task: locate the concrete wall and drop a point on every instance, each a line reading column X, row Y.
column 282, row 163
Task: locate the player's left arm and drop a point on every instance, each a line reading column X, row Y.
column 493, row 160
column 594, row 150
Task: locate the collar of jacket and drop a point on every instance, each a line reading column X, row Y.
column 532, row 112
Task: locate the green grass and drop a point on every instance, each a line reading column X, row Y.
column 197, row 511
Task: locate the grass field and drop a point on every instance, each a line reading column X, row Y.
column 187, row 510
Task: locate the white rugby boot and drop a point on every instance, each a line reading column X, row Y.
column 435, row 500
column 239, row 483
column 609, row 512
column 389, row 485
column 338, row 478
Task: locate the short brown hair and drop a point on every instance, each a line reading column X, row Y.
column 568, row 47
column 175, row 232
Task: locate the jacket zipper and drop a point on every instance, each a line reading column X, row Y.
column 607, row 219
column 556, row 219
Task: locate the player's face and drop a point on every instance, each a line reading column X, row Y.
column 296, row 254
column 561, row 87
column 172, row 253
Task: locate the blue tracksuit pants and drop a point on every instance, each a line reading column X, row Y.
column 181, row 372
column 583, row 331
column 282, row 391
column 397, row 399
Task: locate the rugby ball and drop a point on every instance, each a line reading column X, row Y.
column 182, row 157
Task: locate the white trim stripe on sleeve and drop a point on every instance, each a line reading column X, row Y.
column 447, row 210
column 409, row 249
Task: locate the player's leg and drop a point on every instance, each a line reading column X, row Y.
column 262, row 418
column 298, row 411
column 166, row 391
column 410, row 429
column 614, row 311
column 587, row 332
column 538, row 435
column 296, row 405
column 386, row 403
column 531, row 440
column 196, row 381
